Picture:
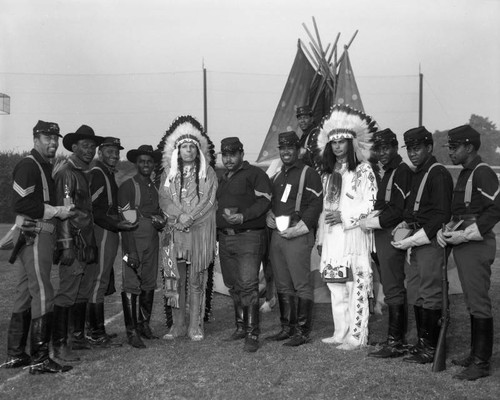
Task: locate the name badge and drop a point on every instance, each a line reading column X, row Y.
column 286, row 193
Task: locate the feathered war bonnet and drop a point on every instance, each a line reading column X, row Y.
column 185, row 129
column 344, row 122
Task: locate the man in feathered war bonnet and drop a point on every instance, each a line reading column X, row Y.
column 187, row 196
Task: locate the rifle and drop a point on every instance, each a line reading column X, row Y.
column 439, row 362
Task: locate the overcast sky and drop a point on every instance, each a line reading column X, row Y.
column 127, row 68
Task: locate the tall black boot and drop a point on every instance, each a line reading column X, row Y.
column 429, row 335
column 17, row 337
column 96, row 334
column 129, row 302
column 288, row 317
column 77, row 316
column 394, row 346
column 146, row 299
column 41, row 363
column 466, row 361
column 482, row 345
column 304, row 323
column 251, row 322
column 60, row 346
column 418, row 322
column 239, row 333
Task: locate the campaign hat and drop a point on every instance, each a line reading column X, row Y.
column 230, row 145
column 111, row 141
column 416, row 136
column 144, row 149
column 464, row 134
column 83, row 132
column 303, row 110
column 46, row 128
column 385, row 136
column 288, row 138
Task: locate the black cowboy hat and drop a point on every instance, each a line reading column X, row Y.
column 83, row 132
column 144, row 149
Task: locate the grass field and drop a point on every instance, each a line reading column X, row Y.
column 215, row 369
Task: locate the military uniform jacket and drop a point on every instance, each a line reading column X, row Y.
column 485, row 200
column 105, row 209
column 305, row 143
column 435, row 203
column 391, row 212
column 287, row 180
column 71, row 180
column 248, row 189
column 28, row 196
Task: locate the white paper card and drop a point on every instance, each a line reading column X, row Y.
column 286, row 193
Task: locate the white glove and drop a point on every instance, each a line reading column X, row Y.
column 419, row 238
column 61, row 212
column 369, row 223
column 472, row 232
column 271, row 220
column 295, row 231
column 457, row 237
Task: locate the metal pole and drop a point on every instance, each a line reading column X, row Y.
column 420, row 96
column 205, row 116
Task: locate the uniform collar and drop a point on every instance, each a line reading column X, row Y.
column 77, row 163
column 105, row 168
column 425, row 167
column 244, row 165
column 39, row 157
column 297, row 164
column 393, row 164
column 473, row 163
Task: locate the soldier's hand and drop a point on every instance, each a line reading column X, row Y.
column 333, row 217
column 440, row 238
column 67, row 257
column 158, row 222
column 127, row 226
column 65, row 212
column 271, row 220
column 455, row 238
column 234, row 219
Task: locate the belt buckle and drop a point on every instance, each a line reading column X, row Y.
column 230, row 232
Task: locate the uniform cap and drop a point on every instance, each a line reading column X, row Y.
column 288, row 138
column 385, row 136
column 464, row 134
column 111, row 141
column 230, row 145
column 50, row 128
column 417, row 136
column 303, row 110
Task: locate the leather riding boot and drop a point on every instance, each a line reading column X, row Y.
column 129, row 303
column 466, row 361
column 41, row 363
column 97, row 335
column 146, row 299
column 429, row 335
column 394, row 346
column 196, row 309
column 288, row 317
column 418, row 322
column 17, row 337
column 251, row 322
column 239, row 333
column 77, row 316
column 482, row 344
column 304, row 323
column 60, row 346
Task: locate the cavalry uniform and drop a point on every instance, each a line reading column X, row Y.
column 34, row 193
column 391, row 198
column 290, row 258
column 247, row 191
column 305, row 139
column 427, row 208
column 476, row 204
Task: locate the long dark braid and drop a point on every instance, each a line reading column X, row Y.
column 180, row 168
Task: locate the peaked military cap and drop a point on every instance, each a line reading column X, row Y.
column 464, row 134
column 230, row 145
column 288, row 138
column 48, row 128
column 111, row 141
column 417, row 136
